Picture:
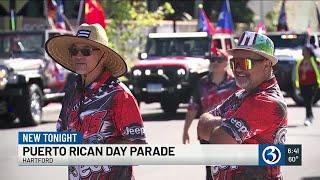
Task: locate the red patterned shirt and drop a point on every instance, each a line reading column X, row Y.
column 259, row 117
column 208, row 95
column 105, row 112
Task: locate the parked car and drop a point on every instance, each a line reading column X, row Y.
column 29, row 79
column 170, row 64
column 288, row 49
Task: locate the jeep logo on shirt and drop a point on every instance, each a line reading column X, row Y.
column 134, row 131
column 240, row 126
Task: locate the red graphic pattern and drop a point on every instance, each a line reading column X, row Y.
column 208, row 94
column 102, row 112
column 256, row 118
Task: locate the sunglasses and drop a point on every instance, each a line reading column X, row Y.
column 217, row 59
column 243, row 63
column 84, row 51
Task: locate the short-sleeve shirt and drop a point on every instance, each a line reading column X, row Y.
column 104, row 112
column 208, row 94
column 259, row 117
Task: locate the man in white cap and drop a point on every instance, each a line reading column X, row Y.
column 97, row 105
column 257, row 114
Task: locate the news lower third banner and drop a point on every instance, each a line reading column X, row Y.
column 66, row 148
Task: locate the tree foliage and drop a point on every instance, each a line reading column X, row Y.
column 130, row 24
column 272, row 17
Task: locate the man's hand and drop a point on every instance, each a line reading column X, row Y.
column 206, row 124
column 191, row 114
column 185, row 137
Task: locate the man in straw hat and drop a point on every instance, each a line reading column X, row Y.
column 96, row 104
column 256, row 114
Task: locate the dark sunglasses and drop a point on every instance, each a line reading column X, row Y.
column 84, row 51
column 217, row 59
column 243, row 63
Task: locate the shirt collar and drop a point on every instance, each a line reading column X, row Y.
column 97, row 83
column 265, row 85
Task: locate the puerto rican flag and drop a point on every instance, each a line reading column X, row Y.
column 60, row 24
column 225, row 23
column 204, row 23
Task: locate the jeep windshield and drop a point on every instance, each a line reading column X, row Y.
column 21, row 45
column 192, row 47
column 289, row 40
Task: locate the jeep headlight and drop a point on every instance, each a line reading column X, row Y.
column 147, row 72
column 137, row 72
column 160, row 71
column 181, row 72
column 3, row 72
column 3, row 77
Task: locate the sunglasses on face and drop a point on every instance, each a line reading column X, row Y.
column 243, row 63
column 87, row 51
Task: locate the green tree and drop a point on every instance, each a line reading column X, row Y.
column 130, row 23
column 272, row 17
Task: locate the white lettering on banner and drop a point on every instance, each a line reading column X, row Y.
column 111, row 154
column 31, row 137
column 248, row 39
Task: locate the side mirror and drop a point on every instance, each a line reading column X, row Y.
column 143, row 55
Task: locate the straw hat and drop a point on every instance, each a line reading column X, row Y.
column 94, row 35
column 256, row 43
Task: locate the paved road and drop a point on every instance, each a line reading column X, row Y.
column 160, row 130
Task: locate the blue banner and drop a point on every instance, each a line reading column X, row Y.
column 49, row 138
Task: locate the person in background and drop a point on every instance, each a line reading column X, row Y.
column 210, row 91
column 255, row 114
column 308, row 80
column 97, row 104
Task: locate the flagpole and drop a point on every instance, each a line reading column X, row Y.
column 66, row 20
column 80, row 12
column 45, row 12
column 261, row 12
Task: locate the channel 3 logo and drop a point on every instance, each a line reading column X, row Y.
column 271, row 155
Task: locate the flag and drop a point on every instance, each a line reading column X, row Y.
column 204, row 23
column 261, row 28
column 60, row 24
column 51, row 13
column 318, row 16
column 55, row 15
column 282, row 21
column 225, row 23
column 94, row 13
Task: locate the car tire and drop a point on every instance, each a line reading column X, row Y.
column 169, row 107
column 29, row 107
column 298, row 99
